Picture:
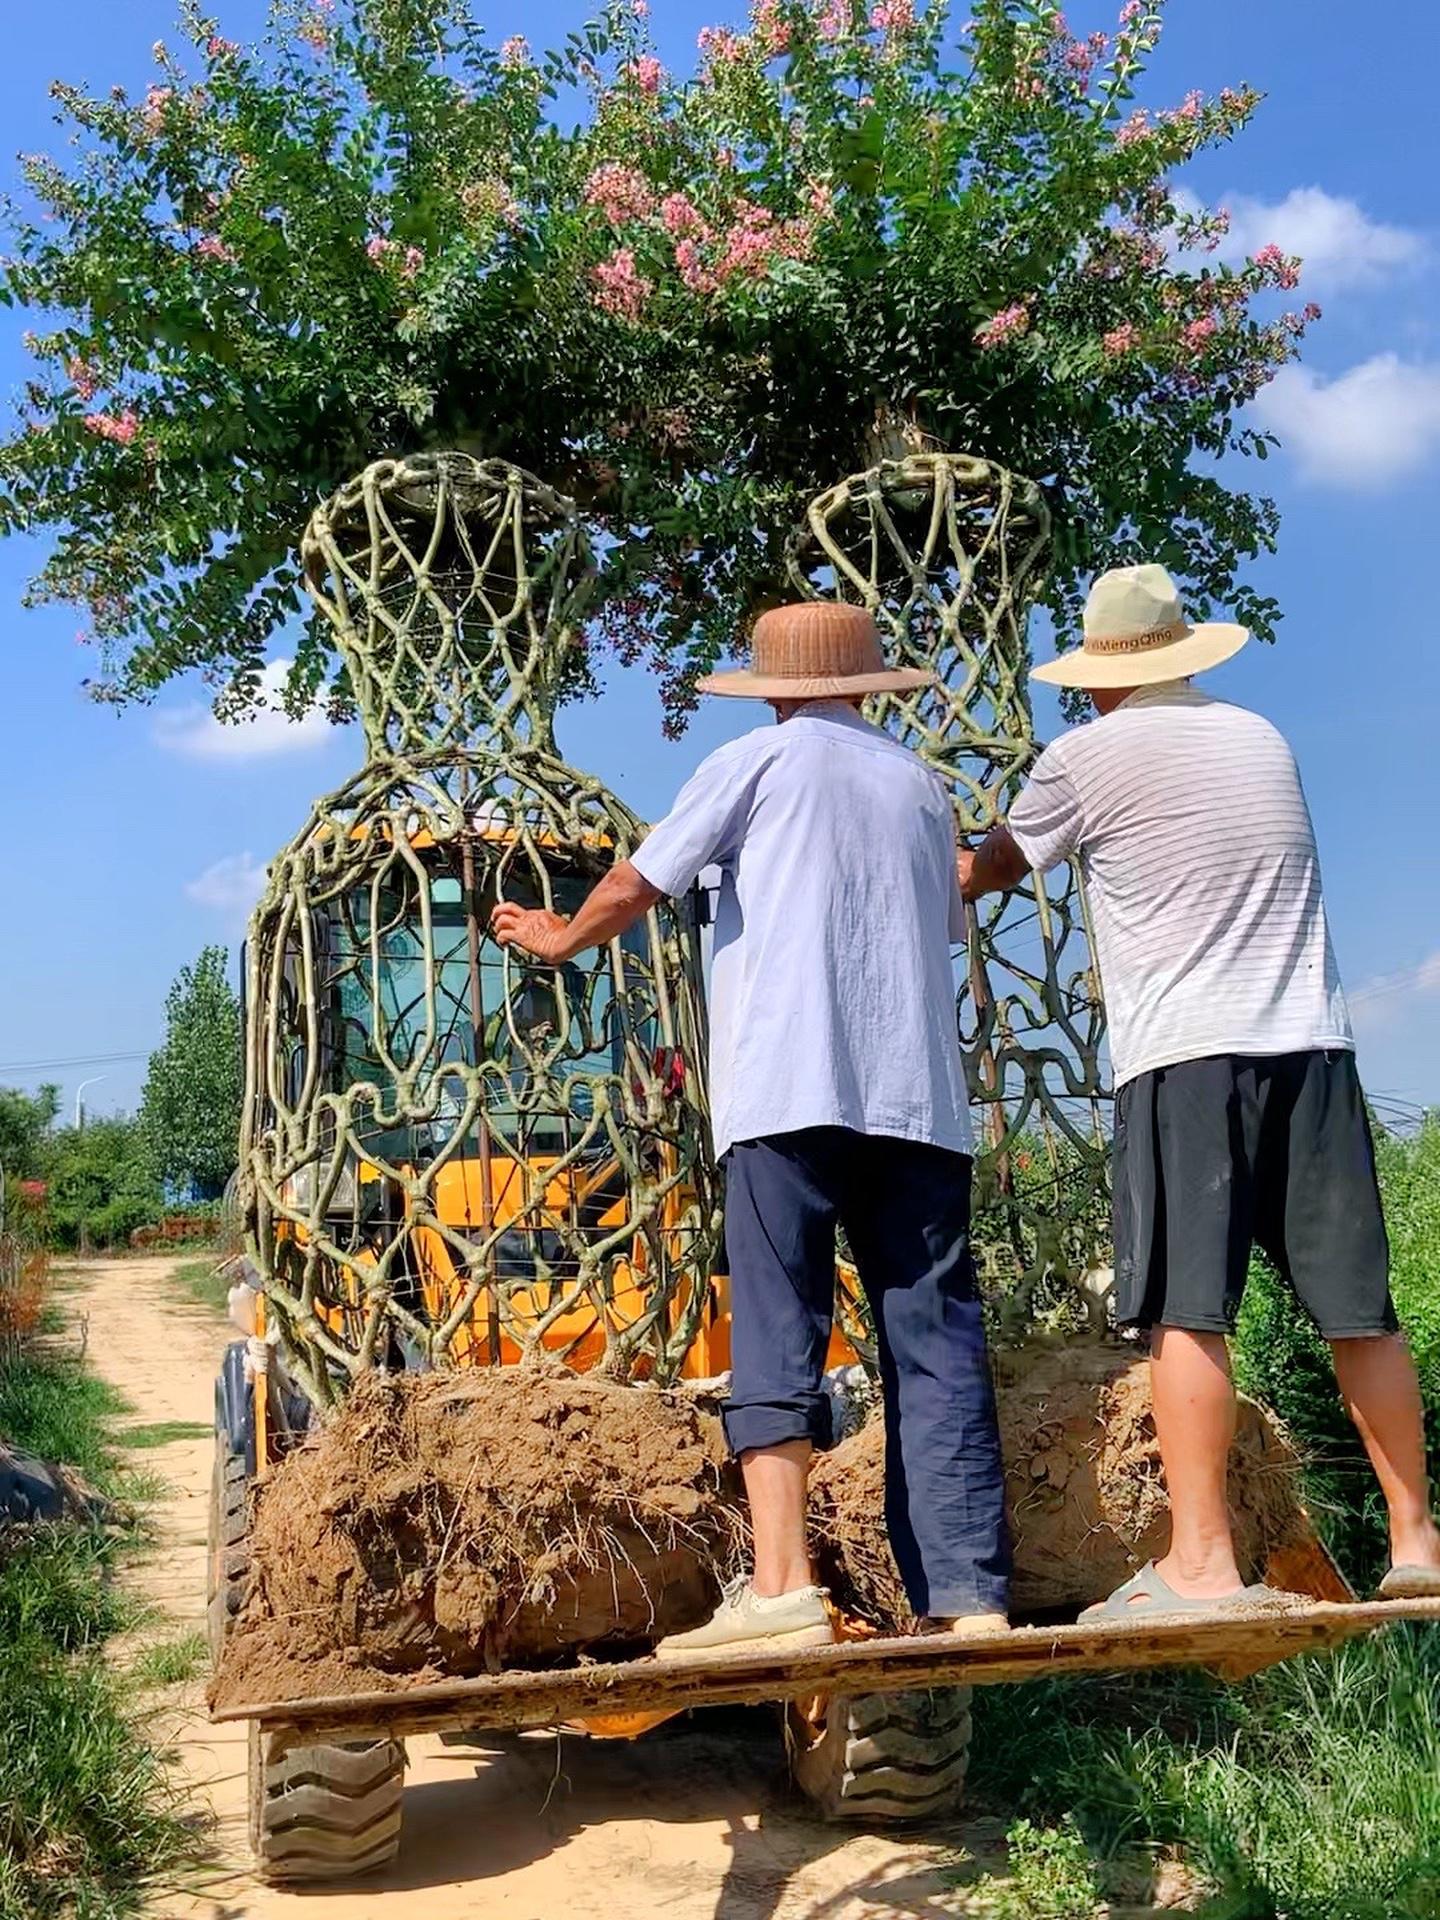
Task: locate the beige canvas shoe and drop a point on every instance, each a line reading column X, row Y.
column 743, row 1620
column 966, row 1623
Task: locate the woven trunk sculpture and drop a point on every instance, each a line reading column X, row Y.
column 948, row 551
column 452, row 1156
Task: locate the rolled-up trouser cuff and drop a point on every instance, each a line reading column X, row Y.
column 770, row 1423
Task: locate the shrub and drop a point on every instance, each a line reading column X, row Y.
column 102, row 1184
column 1049, row 1878
column 1311, row 1792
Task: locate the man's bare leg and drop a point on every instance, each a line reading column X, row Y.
column 1194, row 1402
column 1381, row 1392
column 775, row 1487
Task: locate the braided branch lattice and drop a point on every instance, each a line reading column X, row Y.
column 948, row 552
column 451, row 1155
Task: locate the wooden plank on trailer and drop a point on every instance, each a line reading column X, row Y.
column 858, row 1666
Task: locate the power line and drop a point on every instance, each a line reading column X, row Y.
column 77, row 1060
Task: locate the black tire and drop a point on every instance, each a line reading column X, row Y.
column 228, row 1570
column 323, row 1812
column 883, row 1758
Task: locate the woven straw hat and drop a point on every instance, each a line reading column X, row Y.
column 816, row 650
column 1136, row 633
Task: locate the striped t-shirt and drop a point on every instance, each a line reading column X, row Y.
column 1195, row 841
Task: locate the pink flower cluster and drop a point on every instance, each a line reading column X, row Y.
column 620, row 289
column 314, row 30
column 1189, row 108
column 1137, row 127
column 1121, row 340
column 1080, row 56
column 680, row 216
column 1131, row 12
column 381, row 249
column 772, row 29
column 647, row 73
column 757, row 240
column 1278, row 267
column 152, row 113
column 83, row 377
column 119, row 427
column 217, row 47
column 515, row 52
column 719, row 45
column 622, row 193
column 1008, row 324
column 893, row 17
column 1193, row 338
column 211, row 247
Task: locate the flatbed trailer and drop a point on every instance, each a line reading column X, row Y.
column 327, row 1771
column 1231, row 1644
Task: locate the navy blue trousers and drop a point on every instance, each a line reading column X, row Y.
column 905, row 1208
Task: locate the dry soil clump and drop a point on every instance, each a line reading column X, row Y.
column 1083, row 1480
column 452, row 1524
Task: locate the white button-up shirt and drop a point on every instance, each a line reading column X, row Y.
column 832, row 993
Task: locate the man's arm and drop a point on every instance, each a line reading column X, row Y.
column 996, row 865
column 611, row 908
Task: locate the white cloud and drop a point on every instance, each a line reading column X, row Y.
column 1338, row 244
column 1377, row 423
column 193, row 729
column 1390, row 997
column 230, row 886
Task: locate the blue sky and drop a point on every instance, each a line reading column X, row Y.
column 133, row 839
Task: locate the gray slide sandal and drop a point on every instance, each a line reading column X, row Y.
column 1411, row 1583
column 1145, row 1596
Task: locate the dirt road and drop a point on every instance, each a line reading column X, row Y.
column 695, row 1820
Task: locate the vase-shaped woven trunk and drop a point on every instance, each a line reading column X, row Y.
column 453, row 1155
column 949, row 552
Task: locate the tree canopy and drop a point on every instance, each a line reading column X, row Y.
column 190, row 1109
column 685, row 300
column 25, row 1122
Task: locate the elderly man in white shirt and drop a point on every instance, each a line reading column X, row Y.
column 838, row 1097
column 1239, row 1118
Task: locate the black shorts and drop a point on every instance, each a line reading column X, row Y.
column 1213, row 1156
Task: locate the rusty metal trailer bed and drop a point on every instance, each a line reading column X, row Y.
column 1232, row 1644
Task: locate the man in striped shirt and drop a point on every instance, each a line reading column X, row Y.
column 1239, row 1117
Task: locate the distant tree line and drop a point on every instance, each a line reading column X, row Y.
column 96, row 1181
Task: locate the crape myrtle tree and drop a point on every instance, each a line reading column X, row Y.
column 688, row 301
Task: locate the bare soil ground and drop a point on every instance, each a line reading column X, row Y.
column 695, row 1821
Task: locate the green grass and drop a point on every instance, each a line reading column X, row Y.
column 1309, row 1793
column 199, row 1279
column 169, row 1663
column 86, row 1811
column 51, row 1405
column 160, row 1433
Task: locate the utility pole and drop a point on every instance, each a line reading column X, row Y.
column 93, row 1081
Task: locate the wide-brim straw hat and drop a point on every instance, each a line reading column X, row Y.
column 1136, row 634
column 816, row 650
